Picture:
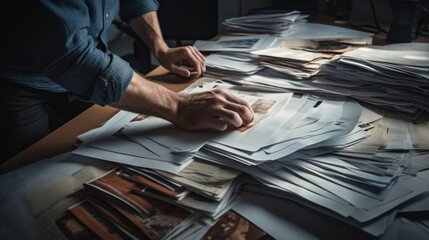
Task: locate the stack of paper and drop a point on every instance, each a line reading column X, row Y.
column 327, row 153
column 328, row 45
column 277, row 23
column 299, row 61
column 296, row 56
column 117, row 200
column 301, row 120
column 239, row 43
column 204, row 178
column 314, row 32
column 326, row 39
column 109, row 143
column 167, row 171
column 323, row 153
column 234, row 64
column 360, row 184
column 396, row 80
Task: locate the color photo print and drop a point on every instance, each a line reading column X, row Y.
column 232, row 226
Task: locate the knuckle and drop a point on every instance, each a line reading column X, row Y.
column 218, row 99
column 233, row 116
column 221, row 127
column 237, row 121
column 214, row 97
column 218, row 91
column 242, row 109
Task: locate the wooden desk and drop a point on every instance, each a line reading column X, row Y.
column 63, row 139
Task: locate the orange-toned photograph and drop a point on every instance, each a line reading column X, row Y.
column 154, row 217
column 232, row 226
column 74, row 229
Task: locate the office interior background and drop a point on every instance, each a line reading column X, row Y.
column 184, row 21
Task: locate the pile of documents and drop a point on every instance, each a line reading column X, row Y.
column 298, row 62
column 304, row 158
column 233, row 64
column 276, row 23
column 115, row 199
column 239, row 43
column 325, row 38
column 328, row 153
column 146, row 204
column 395, row 80
column 305, row 37
column 361, row 184
column 295, row 56
column 302, row 56
column 73, row 197
column 314, row 32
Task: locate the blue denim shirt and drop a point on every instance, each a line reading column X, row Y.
column 61, row 46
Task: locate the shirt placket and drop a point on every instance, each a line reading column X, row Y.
column 106, row 15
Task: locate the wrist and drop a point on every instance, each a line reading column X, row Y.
column 182, row 102
column 160, row 51
column 171, row 113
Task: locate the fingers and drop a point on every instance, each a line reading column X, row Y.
column 184, row 61
column 239, row 106
column 217, row 124
column 200, row 60
column 182, row 71
column 230, row 117
column 220, row 119
column 195, row 59
column 192, row 57
column 233, row 110
column 243, row 112
column 215, row 109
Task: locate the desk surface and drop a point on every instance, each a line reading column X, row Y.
column 63, row 139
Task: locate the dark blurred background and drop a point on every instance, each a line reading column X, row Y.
column 184, row 21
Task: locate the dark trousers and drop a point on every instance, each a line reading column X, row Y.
column 29, row 114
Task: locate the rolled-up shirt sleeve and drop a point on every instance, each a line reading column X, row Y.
column 71, row 58
column 129, row 9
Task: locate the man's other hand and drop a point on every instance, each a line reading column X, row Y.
column 185, row 61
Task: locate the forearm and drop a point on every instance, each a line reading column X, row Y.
column 215, row 109
column 148, row 29
column 143, row 96
column 176, row 60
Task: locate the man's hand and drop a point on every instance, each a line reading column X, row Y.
column 184, row 61
column 215, row 109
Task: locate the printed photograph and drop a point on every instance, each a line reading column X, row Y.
column 92, row 219
column 232, row 226
column 262, row 106
column 74, row 229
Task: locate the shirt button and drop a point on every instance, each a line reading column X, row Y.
column 107, row 15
